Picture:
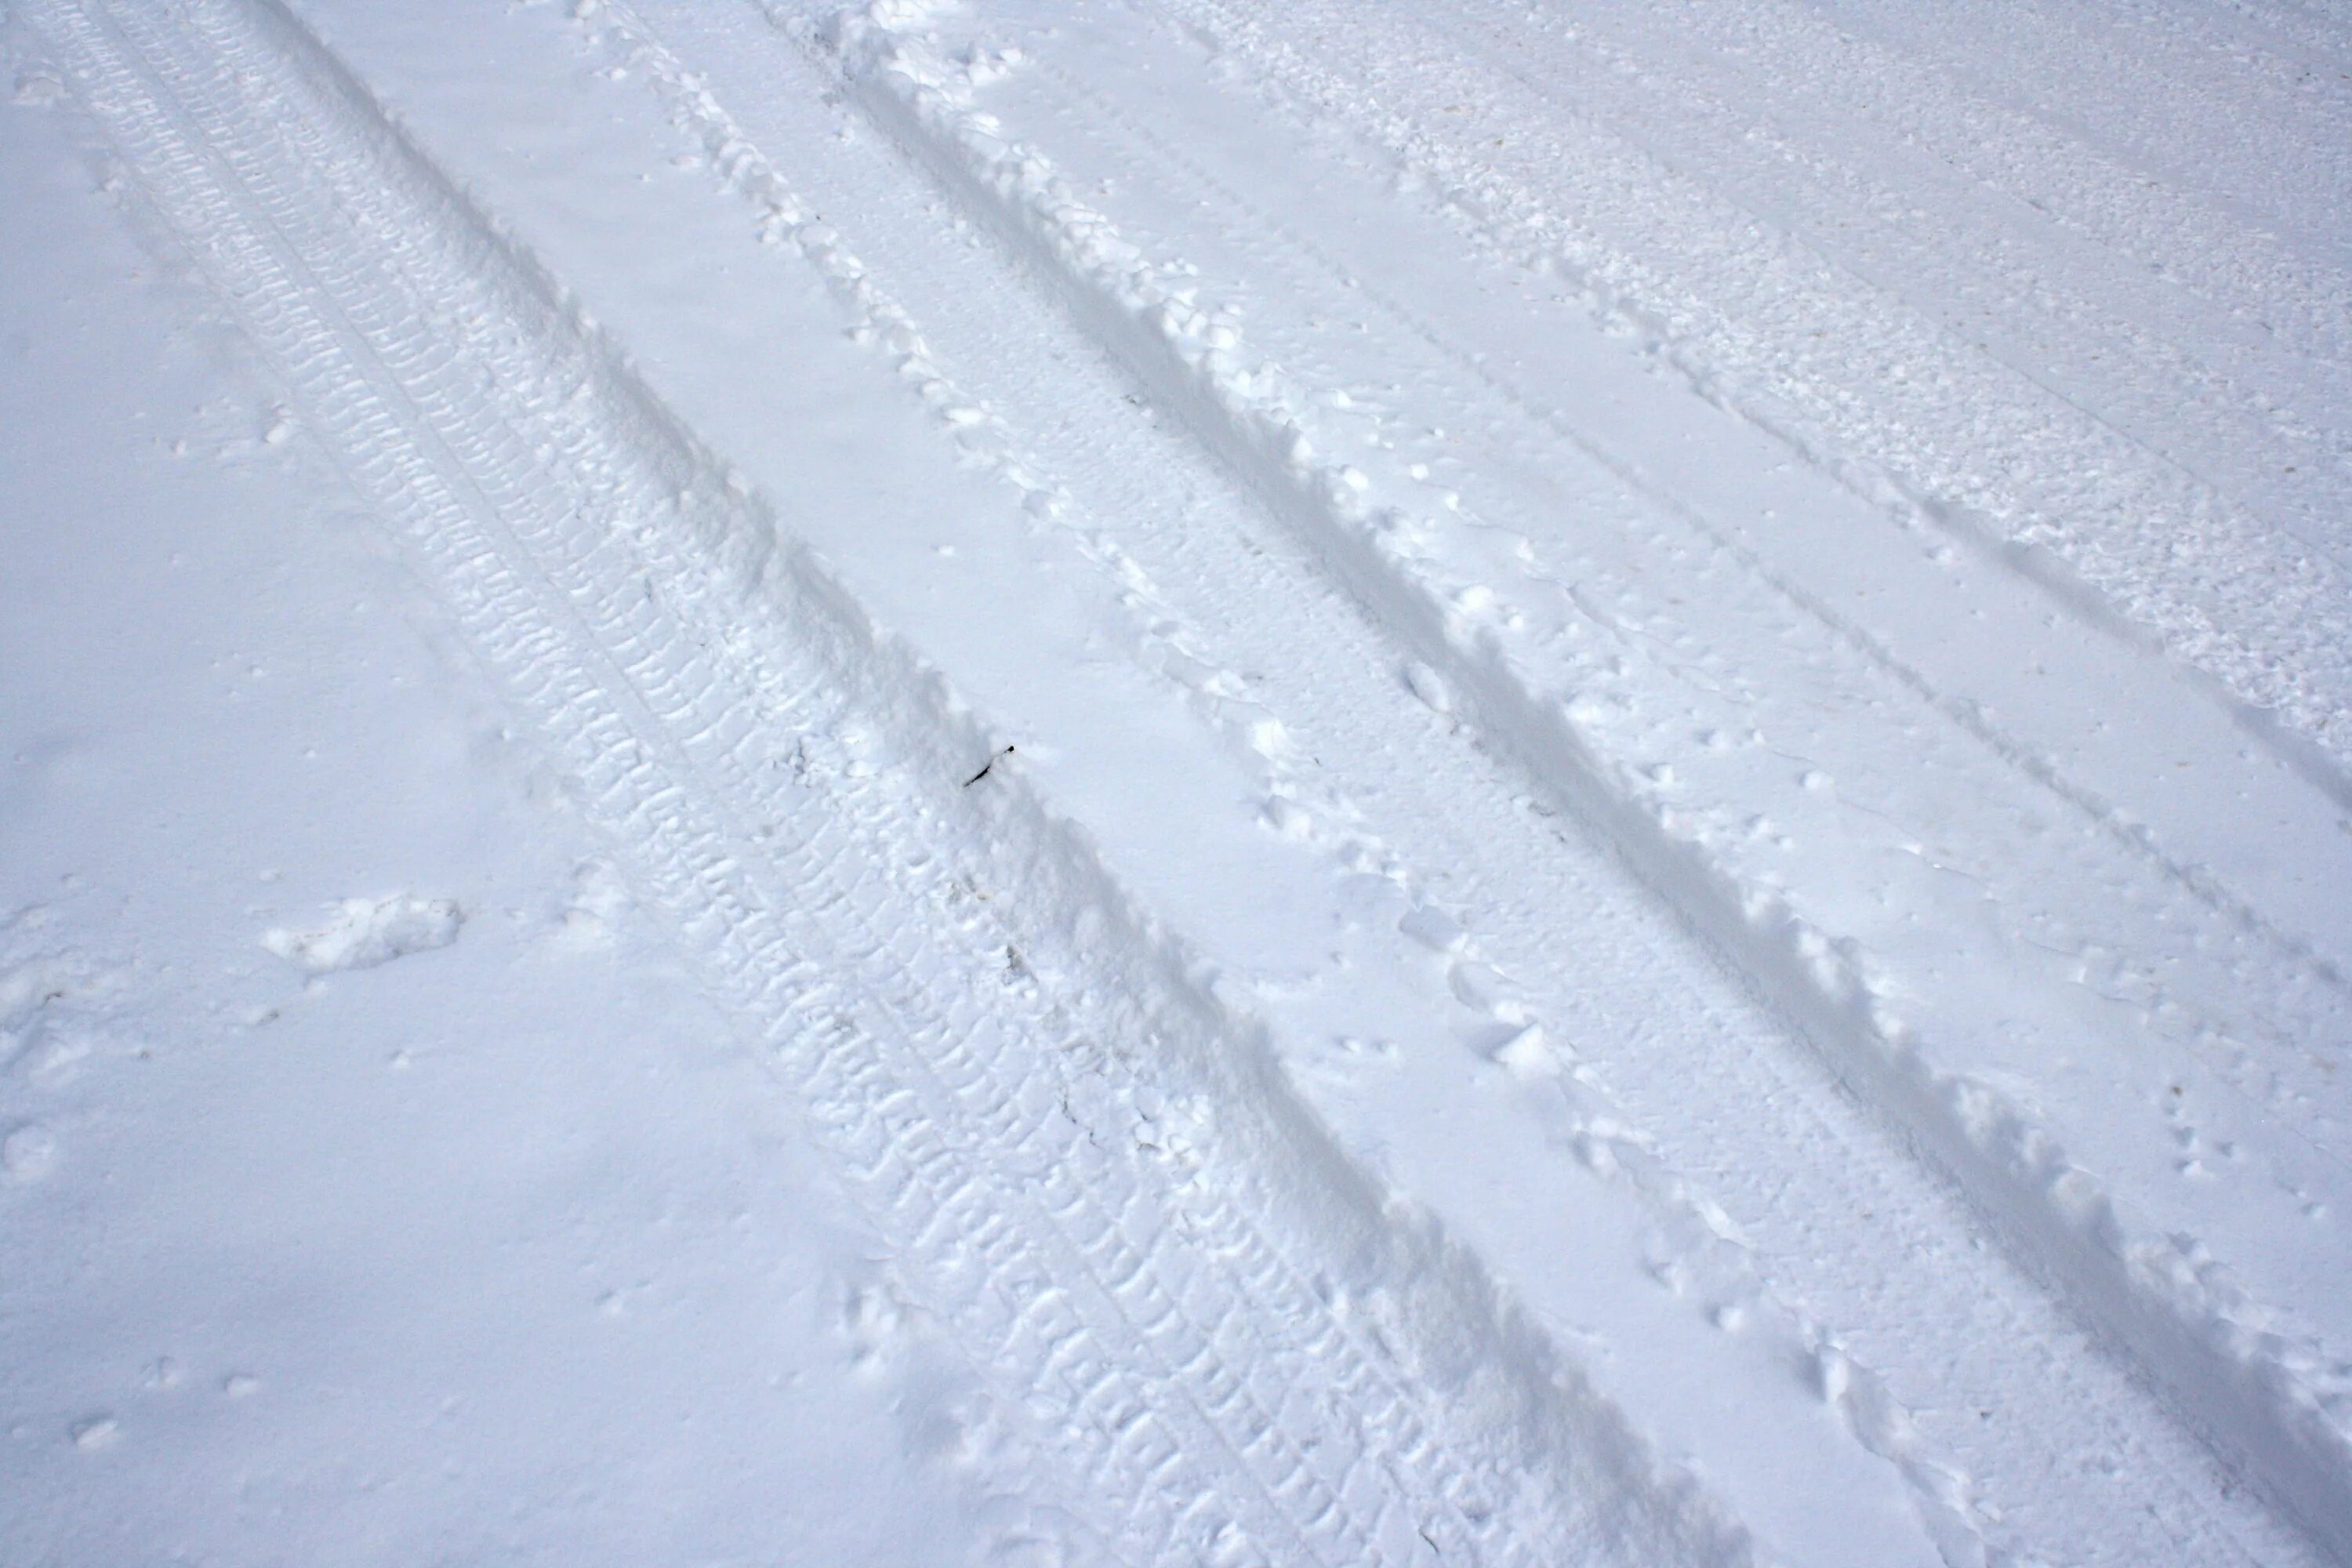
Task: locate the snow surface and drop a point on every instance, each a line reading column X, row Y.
column 1175, row 781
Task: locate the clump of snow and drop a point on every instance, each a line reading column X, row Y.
column 1529, row 1054
column 364, row 933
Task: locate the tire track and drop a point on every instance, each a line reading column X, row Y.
column 1180, row 565
column 780, row 777
column 1200, row 659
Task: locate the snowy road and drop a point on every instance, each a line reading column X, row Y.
column 1455, row 784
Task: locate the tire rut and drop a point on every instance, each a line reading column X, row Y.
column 780, row 778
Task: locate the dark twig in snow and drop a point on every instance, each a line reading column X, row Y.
column 985, row 766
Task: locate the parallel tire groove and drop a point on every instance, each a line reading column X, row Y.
column 643, row 774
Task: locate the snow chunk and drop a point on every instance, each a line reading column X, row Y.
column 364, row 933
column 1529, row 1054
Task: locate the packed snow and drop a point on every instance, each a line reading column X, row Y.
column 1176, row 781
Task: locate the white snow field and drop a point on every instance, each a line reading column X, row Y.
column 1226, row 782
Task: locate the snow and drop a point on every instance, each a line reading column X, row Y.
column 1174, row 782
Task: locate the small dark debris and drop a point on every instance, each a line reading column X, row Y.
column 985, row 766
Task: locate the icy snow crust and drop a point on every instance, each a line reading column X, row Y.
column 1660, row 874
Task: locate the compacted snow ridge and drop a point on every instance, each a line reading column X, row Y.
column 1176, row 781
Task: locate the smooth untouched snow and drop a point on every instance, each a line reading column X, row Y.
column 1175, row 781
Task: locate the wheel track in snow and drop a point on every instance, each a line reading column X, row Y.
column 1187, row 653
column 2187, row 1324
column 2104, row 525
column 670, row 693
column 741, row 163
column 782, row 777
